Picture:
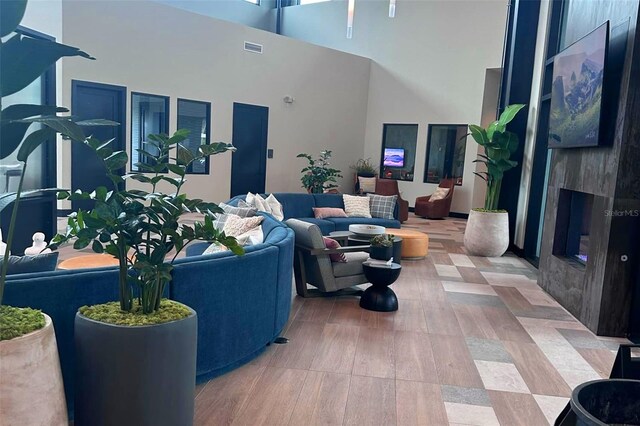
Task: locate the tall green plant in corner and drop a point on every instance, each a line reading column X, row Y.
column 317, row 176
column 23, row 60
column 499, row 145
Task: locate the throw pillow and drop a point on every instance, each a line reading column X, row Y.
column 439, row 194
column 251, row 237
column 332, row 244
column 238, row 211
column 28, row 264
column 220, row 220
column 236, row 225
column 367, row 184
column 257, row 202
column 324, row 212
column 356, row 206
column 276, row 207
column 382, row 206
column 215, row 248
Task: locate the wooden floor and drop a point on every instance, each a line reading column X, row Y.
column 475, row 342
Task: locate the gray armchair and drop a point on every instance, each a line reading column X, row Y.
column 312, row 264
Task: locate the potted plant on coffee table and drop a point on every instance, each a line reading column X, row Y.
column 31, row 387
column 136, row 357
column 487, row 231
column 318, row 177
column 381, row 247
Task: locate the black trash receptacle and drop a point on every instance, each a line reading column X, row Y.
column 607, row 402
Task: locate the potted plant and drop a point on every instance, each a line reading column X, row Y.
column 32, row 389
column 318, row 177
column 487, row 231
column 381, row 247
column 364, row 167
column 136, row 358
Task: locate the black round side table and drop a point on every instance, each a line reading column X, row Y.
column 379, row 297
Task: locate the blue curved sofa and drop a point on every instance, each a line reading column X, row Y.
column 300, row 206
column 243, row 302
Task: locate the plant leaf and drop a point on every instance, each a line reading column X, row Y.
column 33, row 141
column 24, row 59
column 11, row 13
column 12, row 131
column 9, row 197
column 509, row 114
column 116, row 161
column 183, row 155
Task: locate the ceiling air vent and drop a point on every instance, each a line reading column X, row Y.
column 252, row 47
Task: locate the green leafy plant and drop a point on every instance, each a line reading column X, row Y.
column 499, row 144
column 318, row 177
column 382, row 240
column 141, row 228
column 364, row 166
column 25, row 59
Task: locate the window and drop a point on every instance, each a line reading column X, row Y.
column 195, row 116
column 149, row 115
column 446, row 146
column 398, row 151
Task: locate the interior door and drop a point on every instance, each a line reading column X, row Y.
column 95, row 100
column 249, row 163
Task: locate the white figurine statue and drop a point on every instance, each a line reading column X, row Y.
column 39, row 245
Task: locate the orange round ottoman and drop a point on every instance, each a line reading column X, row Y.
column 415, row 244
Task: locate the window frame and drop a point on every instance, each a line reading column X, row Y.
column 167, row 123
column 207, row 132
column 384, row 144
column 427, row 154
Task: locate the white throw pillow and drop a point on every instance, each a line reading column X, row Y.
column 215, row 248
column 356, row 206
column 236, row 225
column 439, row 194
column 276, row 207
column 252, row 237
column 367, row 184
column 257, row 202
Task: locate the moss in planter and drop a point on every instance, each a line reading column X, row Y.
column 480, row 210
column 16, row 322
column 112, row 314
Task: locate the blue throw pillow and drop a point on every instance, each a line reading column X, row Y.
column 28, row 264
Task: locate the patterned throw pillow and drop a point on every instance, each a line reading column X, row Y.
column 382, row 206
column 367, row 184
column 220, row 220
column 238, row 211
column 324, row 212
column 332, row 244
column 236, row 225
column 356, row 206
column 215, row 248
column 439, row 194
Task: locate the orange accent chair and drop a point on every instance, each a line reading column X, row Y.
column 437, row 209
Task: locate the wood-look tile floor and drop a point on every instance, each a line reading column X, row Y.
column 475, row 342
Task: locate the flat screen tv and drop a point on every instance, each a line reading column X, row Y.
column 393, row 157
column 577, row 91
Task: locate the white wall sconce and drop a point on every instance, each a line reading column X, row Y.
column 350, row 11
column 288, row 99
column 392, row 8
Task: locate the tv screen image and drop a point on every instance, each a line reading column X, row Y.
column 576, row 93
column 393, row 157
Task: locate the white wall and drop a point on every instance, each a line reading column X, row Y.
column 157, row 56
column 261, row 16
column 429, row 66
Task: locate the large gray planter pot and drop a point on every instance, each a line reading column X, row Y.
column 135, row 376
column 487, row 234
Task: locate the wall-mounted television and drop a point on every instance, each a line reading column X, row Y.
column 393, row 157
column 579, row 74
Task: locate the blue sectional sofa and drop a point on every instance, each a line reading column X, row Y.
column 243, row 302
column 300, row 206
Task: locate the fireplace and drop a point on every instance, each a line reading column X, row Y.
column 573, row 226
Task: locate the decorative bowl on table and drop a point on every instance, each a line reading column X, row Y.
column 366, row 230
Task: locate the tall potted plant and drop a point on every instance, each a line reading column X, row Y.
column 31, row 390
column 136, row 358
column 487, row 231
column 317, row 176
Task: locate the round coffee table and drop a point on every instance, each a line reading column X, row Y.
column 379, row 297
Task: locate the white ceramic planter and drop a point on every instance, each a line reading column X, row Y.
column 31, row 388
column 487, row 234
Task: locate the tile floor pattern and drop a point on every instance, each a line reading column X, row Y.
column 474, row 342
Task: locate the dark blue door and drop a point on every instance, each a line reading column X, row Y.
column 249, row 163
column 95, row 100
